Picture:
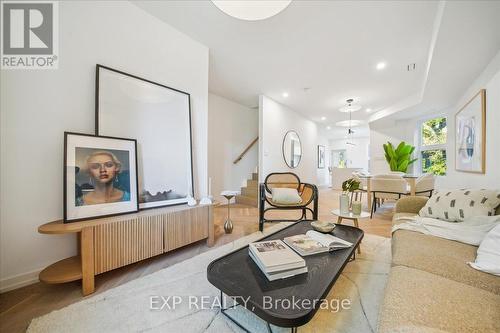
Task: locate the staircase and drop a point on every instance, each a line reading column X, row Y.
column 250, row 193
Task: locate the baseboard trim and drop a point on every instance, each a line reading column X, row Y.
column 18, row 281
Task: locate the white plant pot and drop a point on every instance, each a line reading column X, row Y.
column 344, row 203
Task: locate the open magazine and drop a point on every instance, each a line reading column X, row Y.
column 315, row 242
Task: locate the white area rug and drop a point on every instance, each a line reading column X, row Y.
column 127, row 308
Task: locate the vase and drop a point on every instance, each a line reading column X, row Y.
column 228, row 226
column 356, row 208
column 344, row 203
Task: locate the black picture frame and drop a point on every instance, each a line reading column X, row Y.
column 98, row 130
column 65, row 179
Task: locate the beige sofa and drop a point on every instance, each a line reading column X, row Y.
column 431, row 288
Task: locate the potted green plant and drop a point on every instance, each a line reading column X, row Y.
column 348, row 186
column 399, row 158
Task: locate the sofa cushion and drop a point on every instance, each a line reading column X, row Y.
column 488, row 253
column 418, row 301
column 457, row 205
column 442, row 257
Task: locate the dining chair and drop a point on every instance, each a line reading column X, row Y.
column 363, row 186
column 386, row 187
column 425, row 184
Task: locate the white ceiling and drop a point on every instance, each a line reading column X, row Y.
column 332, row 48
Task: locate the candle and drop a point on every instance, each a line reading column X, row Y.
column 209, row 187
column 356, row 208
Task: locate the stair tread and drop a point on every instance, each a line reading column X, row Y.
column 251, row 201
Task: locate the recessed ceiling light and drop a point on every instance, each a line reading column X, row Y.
column 328, row 128
column 368, row 110
column 285, row 94
column 323, row 118
column 381, row 65
column 349, row 123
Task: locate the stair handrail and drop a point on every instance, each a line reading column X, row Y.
column 246, row 150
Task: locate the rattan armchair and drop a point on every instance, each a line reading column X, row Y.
column 308, row 193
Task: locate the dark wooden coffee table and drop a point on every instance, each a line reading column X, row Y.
column 237, row 276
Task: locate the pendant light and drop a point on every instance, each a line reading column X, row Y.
column 350, row 132
column 350, row 107
column 251, row 10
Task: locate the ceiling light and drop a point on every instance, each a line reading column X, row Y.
column 349, row 123
column 350, row 107
column 323, row 118
column 328, row 128
column 368, row 110
column 250, row 10
column 381, row 65
column 285, row 94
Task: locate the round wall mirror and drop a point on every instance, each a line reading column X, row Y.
column 292, row 149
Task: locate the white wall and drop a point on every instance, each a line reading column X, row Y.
column 275, row 120
column 385, row 130
column 398, row 130
column 323, row 175
column 231, row 128
column 489, row 80
column 38, row 106
column 357, row 155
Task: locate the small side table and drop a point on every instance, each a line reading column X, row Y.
column 228, row 225
column 350, row 216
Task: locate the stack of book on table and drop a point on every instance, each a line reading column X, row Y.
column 276, row 260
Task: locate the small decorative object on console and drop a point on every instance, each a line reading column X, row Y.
column 208, row 199
column 191, row 201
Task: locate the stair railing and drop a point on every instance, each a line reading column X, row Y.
column 246, row 150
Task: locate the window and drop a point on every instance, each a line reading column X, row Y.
column 433, row 146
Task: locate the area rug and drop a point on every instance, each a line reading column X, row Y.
column 147, row 303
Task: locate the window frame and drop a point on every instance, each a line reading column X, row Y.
column 442, row 146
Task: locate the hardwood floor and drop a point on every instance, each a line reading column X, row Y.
column 19, row 306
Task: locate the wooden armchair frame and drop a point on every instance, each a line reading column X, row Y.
column 308, row 193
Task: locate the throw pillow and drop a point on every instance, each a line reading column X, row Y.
column 488, row 253
column 457, row 205
column 286, row 196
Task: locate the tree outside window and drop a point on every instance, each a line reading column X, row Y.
column 433, row 135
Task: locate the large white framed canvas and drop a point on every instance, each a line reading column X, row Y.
column 470, row 135
column 159, row 117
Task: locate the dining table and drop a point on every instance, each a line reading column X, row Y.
column 409, row 177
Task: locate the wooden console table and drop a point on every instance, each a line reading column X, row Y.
column 108, row 243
